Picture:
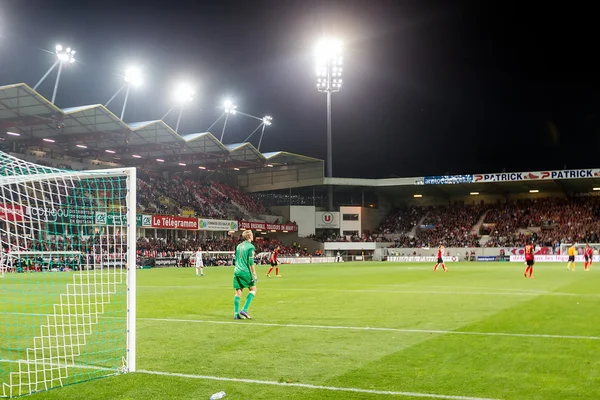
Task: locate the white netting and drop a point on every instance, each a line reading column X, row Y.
column 65, row 245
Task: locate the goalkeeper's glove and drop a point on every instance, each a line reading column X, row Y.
column 255, row 278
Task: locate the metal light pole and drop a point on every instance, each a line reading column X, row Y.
column 329, row 80
column 64, row 56
column 183, row 94
column 267, row 120
column 229, row 108
column 132, row 77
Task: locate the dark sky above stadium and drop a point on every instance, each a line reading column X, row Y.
column 430, row 87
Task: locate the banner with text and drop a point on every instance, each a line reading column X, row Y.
column 430, row 259
column 327, row 220
column 552, row 258
column 174, row 222
column 11, row 212
column 513, row 176
column 217, row 225
column 265, row 226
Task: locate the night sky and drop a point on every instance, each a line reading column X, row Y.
column 430, row 87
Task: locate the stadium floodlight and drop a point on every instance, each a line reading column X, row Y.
column 329, row 60
column 110, row 151
column 160, row 160
column 63, row 57
column 183, row 94
column 133, row 77
column 81, row 146
column 136, row 156
column 201, row 167
column 13, row 133
column 48, row 140
column 230, row 109
column 596, row 188
column 266, row 121
column 417, row 196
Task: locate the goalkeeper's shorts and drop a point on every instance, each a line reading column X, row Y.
column 243, row 281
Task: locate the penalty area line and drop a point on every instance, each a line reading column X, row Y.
column 314, row 387
column 367, row 328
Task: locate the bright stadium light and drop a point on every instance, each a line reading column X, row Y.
column 184, row 93
column 266, row 121
column 329, row 60
column 229, row 108
column 63, row 57
column 13, row 133
column 81, row 146
column 133, row 77
column 160, row 160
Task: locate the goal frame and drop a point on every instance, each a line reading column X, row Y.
column 130, row 178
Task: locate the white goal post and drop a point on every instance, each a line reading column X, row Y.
column 68, row 262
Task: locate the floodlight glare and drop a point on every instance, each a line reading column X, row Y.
column 65, row 56
column 229, row 107
column 133, row 76
column 184, row 93
column 267, row 120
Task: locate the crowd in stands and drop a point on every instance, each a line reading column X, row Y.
column 150, row 247
column 209, row 199
column 450, row 225
column 402, row 220
column 548, row 222
column 573, row 220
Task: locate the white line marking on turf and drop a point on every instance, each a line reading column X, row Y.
column 367, row 328
column 314, row 387
column 498, row 293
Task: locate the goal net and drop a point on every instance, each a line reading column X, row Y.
column 67, row 306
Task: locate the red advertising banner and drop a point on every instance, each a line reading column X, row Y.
column 265, row 226
column 174, row 222
column 11, row 212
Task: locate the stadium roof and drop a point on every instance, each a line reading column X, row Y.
column 93, row 131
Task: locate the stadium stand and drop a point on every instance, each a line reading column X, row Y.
column 209, row 199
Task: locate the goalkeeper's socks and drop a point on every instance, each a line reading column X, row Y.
column 248, row 301
column 236, row 305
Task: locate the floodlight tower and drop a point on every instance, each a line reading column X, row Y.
column 329, row 80
column 184, row 94
column 133, row 77
column 267, row 120
column 230, row 109
column 63, row 57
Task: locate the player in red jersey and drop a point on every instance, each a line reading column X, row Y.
column 529, row 259
column 274, row 263
column 440, row 259
column 588, row 254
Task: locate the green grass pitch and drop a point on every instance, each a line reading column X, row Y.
column 479, row 331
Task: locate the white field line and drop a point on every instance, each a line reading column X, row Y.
column 501, row 292
column 355, row 328
column 375, row 329
column 315, row 387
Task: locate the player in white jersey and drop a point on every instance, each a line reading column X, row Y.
column 199, row 262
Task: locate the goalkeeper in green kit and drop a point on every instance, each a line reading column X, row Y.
column 244, row 275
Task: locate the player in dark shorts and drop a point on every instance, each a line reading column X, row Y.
column 274, row 263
